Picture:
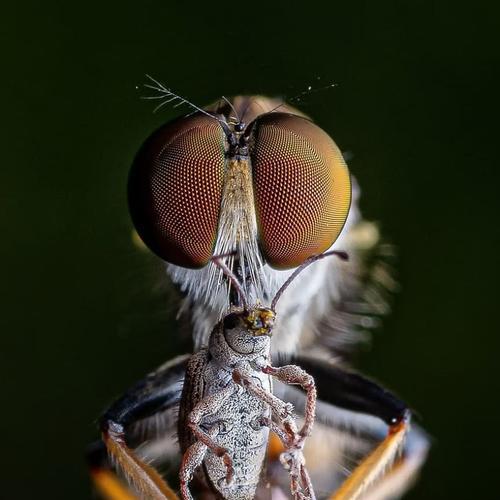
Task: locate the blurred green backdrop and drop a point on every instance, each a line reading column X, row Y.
column 84, row 313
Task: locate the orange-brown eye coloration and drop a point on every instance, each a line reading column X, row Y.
column 175, row 189
column 302, row 188
column 300, row 183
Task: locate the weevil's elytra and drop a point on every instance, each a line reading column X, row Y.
column 280, row 180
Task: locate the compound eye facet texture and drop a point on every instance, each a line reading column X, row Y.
column 175, row 189
column 302, row 188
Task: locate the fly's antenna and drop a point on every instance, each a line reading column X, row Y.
column 308, row 91
column 340, row 254
column 230, row 104
column 217, row 260
column 247, row 107
column 167, row 96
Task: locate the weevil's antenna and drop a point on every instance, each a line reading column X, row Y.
column 232, row 278
column 169, row 96
column 308, row 91
column 340, row 254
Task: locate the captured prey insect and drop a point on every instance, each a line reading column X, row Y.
column 255, row 178
column 227, row 406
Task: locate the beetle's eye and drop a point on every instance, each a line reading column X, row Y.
column 302, row 188
column 231, row 321
column 175, row 189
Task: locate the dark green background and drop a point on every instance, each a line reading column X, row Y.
column 83, row 314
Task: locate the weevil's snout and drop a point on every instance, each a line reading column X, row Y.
column 261, row 321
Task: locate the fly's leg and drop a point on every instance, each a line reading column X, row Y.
column 156, row 393
column 144, row 477
column 105, row 481
column 208, row 406
column 374, row 465
column 352, row 391
column 405, row 470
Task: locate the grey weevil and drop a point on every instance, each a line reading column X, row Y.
column 227, row 405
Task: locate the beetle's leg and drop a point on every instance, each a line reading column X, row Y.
column 157, row 392
column 282, row 410
column 292, row 374
column 300, row 482
column 193, row 457
column 306, row 480
column 274, row 427
column 208, row 406
column 356, row 393
column 292, row 458
column 292, row 439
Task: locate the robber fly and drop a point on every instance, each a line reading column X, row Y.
column 258, row 180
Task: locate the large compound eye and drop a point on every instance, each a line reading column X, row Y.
column 302, row 188
column 175, row 189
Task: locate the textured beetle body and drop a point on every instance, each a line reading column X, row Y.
column 236, row 421
column 227, row 409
